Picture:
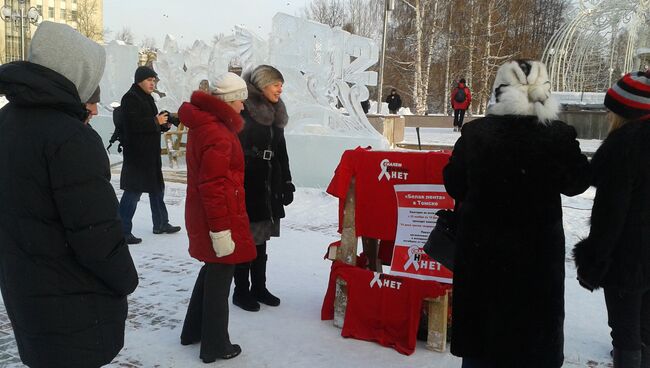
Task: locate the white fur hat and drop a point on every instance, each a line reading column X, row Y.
column 521, row 87
column 229, row 87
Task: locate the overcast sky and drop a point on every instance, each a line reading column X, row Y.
column 189, row 20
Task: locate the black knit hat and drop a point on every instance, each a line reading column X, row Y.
column 630, row 96
column 144, row 72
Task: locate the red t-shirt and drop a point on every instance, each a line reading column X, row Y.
column 376, row 173
column 381, row 307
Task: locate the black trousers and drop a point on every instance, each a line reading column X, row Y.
column 207, row 314
column 628, row 315
column 459, row 116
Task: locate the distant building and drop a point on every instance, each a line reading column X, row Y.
column 87, row 16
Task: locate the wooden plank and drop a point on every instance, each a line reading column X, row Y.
column 437, row 311
column 347, row 253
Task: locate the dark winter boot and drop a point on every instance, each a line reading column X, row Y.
column 242, row 296
column 627, row 358
column 258, row 279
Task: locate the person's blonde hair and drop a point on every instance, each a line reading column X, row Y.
column 615, row 121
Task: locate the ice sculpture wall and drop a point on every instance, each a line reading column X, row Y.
column 326, row 78
column 121, row 62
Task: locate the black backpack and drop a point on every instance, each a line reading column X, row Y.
column 460, row 95
column 118, row 133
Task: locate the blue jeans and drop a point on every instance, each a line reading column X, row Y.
column 129, row 203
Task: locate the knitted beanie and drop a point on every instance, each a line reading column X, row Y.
column 264, row 75
column 144, row 72
column 630, row 96
column 229, row 87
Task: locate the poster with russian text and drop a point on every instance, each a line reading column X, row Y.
column 417, row 205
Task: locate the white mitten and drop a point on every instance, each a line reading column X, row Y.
column 222, row 243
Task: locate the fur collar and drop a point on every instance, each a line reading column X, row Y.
column 202, row 103
column 263, row 111
column 523, row 88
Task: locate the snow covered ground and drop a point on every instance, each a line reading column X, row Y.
column 292, row 335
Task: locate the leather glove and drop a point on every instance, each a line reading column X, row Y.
column 287, row 193
column 222, row 243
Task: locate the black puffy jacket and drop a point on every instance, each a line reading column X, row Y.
column 65, row 269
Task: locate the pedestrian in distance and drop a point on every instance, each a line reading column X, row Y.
column 508, row 170
column 267, row 181
column 215, row 211
column 616, row 254
column 461, row 97
column 394, row 101
column 65, row 268
column 142, row 166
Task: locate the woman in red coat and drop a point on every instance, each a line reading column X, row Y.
column 215, row 211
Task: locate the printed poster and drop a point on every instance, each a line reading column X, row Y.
column 417, row 205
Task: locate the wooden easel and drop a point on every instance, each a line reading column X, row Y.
column 437, row 308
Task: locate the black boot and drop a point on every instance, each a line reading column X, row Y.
column 627, row 358
column 242, row 296
column 258, row 279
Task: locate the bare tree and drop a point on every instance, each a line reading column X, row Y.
column 366, row 17
column 88, row 23
column 330, row 12
column 125, row 35
column 149, row 43
column 431, row 43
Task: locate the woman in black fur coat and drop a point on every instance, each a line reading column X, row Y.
column 616, row 254
column 267, row 180
column 508, row 170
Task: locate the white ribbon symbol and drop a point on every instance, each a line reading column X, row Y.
column 413, row 253
column 383, row 165
column 376, row 280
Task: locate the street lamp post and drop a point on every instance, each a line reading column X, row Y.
column 22, row 19
column 389, row 6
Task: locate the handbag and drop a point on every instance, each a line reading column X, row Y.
column 441, row 243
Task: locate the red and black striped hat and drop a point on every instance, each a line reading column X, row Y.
column 630, row 96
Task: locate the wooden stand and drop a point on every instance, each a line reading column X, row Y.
column 174, row 146
column 347, row 252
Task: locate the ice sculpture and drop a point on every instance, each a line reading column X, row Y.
column 323, row 67
column 326, row 78
column 121, row 62
column 319, row 64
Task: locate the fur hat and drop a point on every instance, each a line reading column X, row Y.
column 264, row 75
column 630, row 96
column 521, row 87
column 142, row 73
column 229, row 87
column 61, row 48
